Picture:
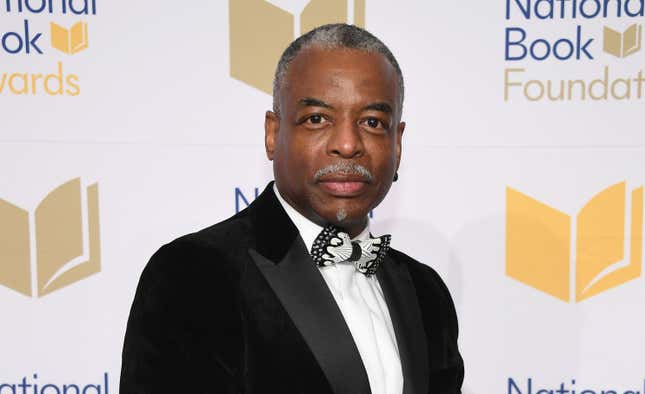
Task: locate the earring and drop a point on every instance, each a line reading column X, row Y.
column 396, row 176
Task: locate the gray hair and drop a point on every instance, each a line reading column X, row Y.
column 344, row 167
column 333, row 36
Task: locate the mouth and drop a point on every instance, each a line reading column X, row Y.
column 343, row 185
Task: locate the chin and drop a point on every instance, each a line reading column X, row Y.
column 341, row 211
column 342, row 215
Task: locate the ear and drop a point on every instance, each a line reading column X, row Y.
column 399, row 137
column 271, row 127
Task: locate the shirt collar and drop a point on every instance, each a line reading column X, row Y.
column 309, row 230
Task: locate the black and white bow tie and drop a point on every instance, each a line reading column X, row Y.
column 333, row 246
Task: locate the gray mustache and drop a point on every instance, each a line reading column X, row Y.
column 344, row 168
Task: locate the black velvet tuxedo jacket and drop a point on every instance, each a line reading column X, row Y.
column 240, row 307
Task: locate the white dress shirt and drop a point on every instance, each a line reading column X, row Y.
column 363, row 306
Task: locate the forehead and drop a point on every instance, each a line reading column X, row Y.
column 340, row 75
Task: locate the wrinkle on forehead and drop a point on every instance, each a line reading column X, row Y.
column 344, row 75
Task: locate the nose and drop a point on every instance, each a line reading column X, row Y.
column 345, row 140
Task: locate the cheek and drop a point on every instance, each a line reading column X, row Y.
column 305, row 154
column 383, row 155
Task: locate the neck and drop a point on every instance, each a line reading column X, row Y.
column 353, row 229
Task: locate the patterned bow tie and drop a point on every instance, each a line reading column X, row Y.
column 334, row 246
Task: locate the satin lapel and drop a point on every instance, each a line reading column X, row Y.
column 405, row 313
column 305, row 296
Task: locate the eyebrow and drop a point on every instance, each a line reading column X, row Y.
column 313, row 102
column 381, row 107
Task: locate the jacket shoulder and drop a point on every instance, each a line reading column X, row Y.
column 208, row 254
column 431, row 290
column 420, row 273
column 230, row 233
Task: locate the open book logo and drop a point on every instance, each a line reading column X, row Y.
column 70, row 40
column 55, row 233
column 625, row 43
column 260, row 30
column 604, row 240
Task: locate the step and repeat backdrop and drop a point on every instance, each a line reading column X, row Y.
column 125, row 124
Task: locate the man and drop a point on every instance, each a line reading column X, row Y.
column 278, row 299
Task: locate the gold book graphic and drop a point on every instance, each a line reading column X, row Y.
column 70, row 40
column 259, row 32
column 58, row 235
column 540, row 239
column 625, row 43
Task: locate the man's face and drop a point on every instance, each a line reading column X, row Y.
column 336, row 143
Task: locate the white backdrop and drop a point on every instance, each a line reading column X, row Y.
column 169, row 135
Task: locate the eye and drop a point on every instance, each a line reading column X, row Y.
column 374, row 123
column 315, row 119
